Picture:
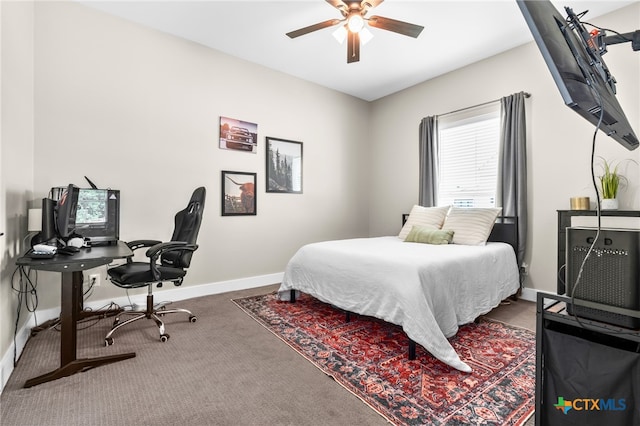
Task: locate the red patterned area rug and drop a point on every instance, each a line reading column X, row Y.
column 369, row 358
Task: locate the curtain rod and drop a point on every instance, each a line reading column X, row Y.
column 526, row 95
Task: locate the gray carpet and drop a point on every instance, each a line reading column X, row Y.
column 225, row 369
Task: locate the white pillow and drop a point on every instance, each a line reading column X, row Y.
column 424, row 216
column 471, row 226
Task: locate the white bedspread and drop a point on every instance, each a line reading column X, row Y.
column 427, row 289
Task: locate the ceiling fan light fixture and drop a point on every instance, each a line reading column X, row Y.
column 365, row 36
column 340, row 34
column 355, row 22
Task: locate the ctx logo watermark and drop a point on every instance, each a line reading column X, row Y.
column 590, row 404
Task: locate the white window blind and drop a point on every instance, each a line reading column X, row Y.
column 469, row 146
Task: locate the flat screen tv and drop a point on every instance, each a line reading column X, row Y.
column 574, row 58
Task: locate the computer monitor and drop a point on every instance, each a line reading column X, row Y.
column 97, row 216
column 66, row 212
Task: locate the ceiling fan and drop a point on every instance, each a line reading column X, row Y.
column 354, row 20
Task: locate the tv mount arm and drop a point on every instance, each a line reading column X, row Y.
column 593, row 46
column 597, row 39
column 633, row 37
column 596, row 43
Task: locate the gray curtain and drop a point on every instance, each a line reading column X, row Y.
column 428, row 152
column 512, row 175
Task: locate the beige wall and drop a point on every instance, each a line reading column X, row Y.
column 559, row 143
column 16, row 155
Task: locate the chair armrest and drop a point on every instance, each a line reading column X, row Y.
column 158, row 249
column 136, row 244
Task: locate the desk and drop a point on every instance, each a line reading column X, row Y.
column 71, row 268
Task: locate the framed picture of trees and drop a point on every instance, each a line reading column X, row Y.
column 284, row 166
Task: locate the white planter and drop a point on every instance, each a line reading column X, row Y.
column 609, row 204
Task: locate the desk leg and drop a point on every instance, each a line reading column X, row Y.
column 71, row 305
column 76, row 366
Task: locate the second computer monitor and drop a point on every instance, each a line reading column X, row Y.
column 97, row 217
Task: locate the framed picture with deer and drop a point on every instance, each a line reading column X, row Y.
column 284, row 166
column 238, row 193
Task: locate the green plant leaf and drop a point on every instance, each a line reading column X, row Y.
column 610, row 180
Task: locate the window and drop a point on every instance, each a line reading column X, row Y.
column 469, row 143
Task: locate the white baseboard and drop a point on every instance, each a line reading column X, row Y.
column 529, row 294
column 177, row 293
column 6, row 364
column 189, row 292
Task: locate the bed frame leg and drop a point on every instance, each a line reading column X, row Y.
column 412, row 350
column 292, row 298
column 348, row 316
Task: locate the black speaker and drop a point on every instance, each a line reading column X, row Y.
column 48, row 227
column 609, row 276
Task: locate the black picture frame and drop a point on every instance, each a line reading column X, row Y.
column 283, row 166
column 238, row 193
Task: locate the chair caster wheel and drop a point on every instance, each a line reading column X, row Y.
column 164, row 337
column 193, row 318
column 108, row 341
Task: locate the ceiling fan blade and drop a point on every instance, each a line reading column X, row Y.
column 314, row 27
column 353, row 47
column 399, row 27
column 347, row 5
column 340, row 5
column 370, row 4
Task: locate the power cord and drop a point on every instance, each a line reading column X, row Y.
column 110, row 309
column 598, row 214
column 26, row 289
column 86, row 294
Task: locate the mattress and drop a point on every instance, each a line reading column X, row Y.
column 428, row 290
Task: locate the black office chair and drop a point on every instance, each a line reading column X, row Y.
column 174, row 258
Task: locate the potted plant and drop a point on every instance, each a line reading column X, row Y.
column 610, row 182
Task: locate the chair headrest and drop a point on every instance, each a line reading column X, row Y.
column 198, row 196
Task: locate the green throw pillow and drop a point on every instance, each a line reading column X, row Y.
column 429, row 235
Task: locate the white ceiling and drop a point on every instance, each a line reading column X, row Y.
column 456, row 33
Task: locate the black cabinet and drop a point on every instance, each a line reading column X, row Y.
column 587, row 372
column 564, row 221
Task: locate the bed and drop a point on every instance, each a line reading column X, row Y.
column 429, row 289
